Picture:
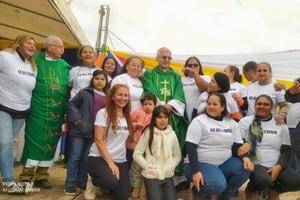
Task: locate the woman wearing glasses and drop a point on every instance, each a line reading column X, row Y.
column 194, row 83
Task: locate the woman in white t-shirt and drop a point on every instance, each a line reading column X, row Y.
column 107, row 164
column 17, row 80
column 264, row 85
column 80, row 76
column 270, row 148
column 235, row 79
column 132, row 71
column 220, row 83
column 213, row 144
column 194, row 83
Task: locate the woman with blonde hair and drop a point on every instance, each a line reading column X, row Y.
column 17, row 80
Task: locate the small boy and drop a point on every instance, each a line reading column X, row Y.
column 140, row 119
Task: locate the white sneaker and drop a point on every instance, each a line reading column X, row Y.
column 89, row 193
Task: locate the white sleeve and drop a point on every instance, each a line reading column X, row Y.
column 140, row 149
column 101, row 118
column 237, row 137
column 244, row 127
column 202, row 102
column 201, row 107
column 194, row 133
column 285, row 136
column 72, row 76
column 2, row 62
column 232, row 105
column 244, row 92
column 206, row 78
column 176, row 150
column 117, row 80
column 280, row 96
column 178, row 107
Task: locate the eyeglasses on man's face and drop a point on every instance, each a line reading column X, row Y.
column 57, row 46
column 166, row 57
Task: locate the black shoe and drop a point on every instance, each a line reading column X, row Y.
column 43, row 183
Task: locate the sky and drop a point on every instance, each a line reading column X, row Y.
column 196, row 26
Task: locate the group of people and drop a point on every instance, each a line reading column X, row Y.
column 132, row 132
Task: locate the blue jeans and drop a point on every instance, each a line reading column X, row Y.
column 295, row 157
column 77, row 163
column 9, row 127
column 226, row 178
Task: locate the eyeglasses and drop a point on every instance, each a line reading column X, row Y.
column 192, row 65
column 57, row 46
column 167, row 57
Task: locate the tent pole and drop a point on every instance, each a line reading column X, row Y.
column 104, row 12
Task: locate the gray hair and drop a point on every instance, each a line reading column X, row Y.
column 162, row 49
column 50, row 40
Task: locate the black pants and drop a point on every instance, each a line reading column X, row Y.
column 103, row 177
column 260, row 179
column 160, row 189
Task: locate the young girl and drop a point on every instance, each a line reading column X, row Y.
column 80, row 76
column 140, row 119
column 82, row 110
column 109, row 66
column 107, row 163
column 162, row 154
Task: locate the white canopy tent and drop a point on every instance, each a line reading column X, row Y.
column 39, row 18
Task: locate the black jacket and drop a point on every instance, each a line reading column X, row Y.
column 81, row 107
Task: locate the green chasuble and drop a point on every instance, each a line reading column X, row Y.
column 167, row 85
column 48, row 106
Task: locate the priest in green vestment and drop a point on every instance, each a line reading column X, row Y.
column 48, row 105
column 166, row 84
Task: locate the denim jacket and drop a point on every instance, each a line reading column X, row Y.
column 81, row 107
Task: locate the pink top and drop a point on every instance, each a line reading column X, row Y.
column 140, row 119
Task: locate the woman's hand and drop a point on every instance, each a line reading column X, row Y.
column 198, row 180
column 245, row 148
column 278, row 86
column 248, row 165
column 279, row 119
column 274, row 172
column 115, row 169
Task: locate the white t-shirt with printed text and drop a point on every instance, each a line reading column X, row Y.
column 214, row 138
column 135, row 88
column 17, row 80
column 268, row 150
column 114, row 140
column 253, row 90
column 191, row 93
column 80, row 78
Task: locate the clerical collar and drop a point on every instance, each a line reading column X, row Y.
column 21, row 55
column 49, row 58
column 218, row 118
column 163, row 70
